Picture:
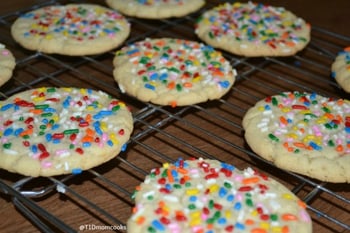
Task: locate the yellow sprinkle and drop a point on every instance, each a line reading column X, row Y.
column 191, row 192
column 195, row 222
column 55, row 118
column 292, row 135
column 265, row 225
column 48, row 37
column 276, row 229
column 228, row 214
column 197, row 79
column 285, row 109
column 103, row 126
column 254, row 213
column 261, row 108
column 195, row 214
column 38, row 99
column 214, row 188
column 166, row 165
column 287, row 196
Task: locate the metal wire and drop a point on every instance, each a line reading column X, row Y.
column 158, row 130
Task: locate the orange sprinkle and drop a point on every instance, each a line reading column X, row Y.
column 88, row 118
column 340, row 102
column 136, row 54
column 302, row 204
column 161, row 204
column 187, row 84
column 210, row 226
column 339, row 148
column 299, row 144
column 90, row 132
column 138, row 188
column 218, row 73
column 140, row 220
column 170, row 176
column 347, row 49
column 186, row 178
column 283, row 120
column 26, row 132
column 36, row 111
column 290, row 43
column 285, row 145
column 173, row 103
column 134, row 210
column 285, row 229
column 258, row 230
column 329, row 115
column 87, row 138
column 290, row 149
column 169, row 63
column 182, row 171
column 171, row 85
column 160, row 43
column 249, row 222
column 251, row 180
column 289, row 217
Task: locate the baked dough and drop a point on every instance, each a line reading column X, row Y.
column 73, row 29
column 341, row 69
column 174, row 72
column 52, row 131
column 210, row 196
column 302, row 132
column 7, row 64
column 253, row 29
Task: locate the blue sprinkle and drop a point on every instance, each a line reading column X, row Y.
column 48, row 137
column 315, row 146
column 110, row 143
column 333, row 74
column 76, row 171
column 56, row 141
column 168, row 186
column 313, row 96
column 154, row 76
column 45, row 121
column 239, row 226
column 267, row 107
column 86, row 144
column 222, row 221
column 158, row 225
column 130, row 52
column 228, row 166
column 149, row 86
column 193, row 198
column 222, row 192
column 55, row 126
column 230, row 198
column 124, row 147
column 102, row 114
column 66, row 102
column 224, row 84
column 6, row 107
column 8, row 132
column 27, row 15
column 237, row 206
column 289, row 120
column 26, row 34
column 347, row 129
column 18, row 132
column 49, row 110
column 174, row 173
column 34, row 149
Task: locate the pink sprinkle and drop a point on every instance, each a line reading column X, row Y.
column 5, row 52
column 46, row 164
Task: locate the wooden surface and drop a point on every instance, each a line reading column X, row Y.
column 211, row 129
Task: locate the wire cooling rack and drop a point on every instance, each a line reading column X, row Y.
column 99, row 199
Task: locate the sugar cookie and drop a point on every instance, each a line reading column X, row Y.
column 172, row 72
column 341, row 69
column 53, row 131
column 209, row 196
column 302, row 132
column 252, row 29
column 73, row 29
column 7, row 64
column 156, row 9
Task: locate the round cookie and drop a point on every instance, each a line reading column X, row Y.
column 156, row 9
column 172, row 72
column 341, row 69
column 73, row 29
column 252, row 29
column 302, row 132
column 211, row 196
column 7, row 64
column 53, row 131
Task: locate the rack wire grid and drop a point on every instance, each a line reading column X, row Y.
column 102, row 196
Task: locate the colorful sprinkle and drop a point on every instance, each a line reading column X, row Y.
column 243, row 201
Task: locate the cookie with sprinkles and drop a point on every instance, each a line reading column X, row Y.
column 156, row 9
column 253, row 29
column 53, row 131
column 302, row 132
column 341, row 69
column 173, row 72
column 73, row 29
column 7, row 64
column 208, row 196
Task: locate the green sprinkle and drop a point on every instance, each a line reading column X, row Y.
column 227, row 185
column 274, row 217
column 7, row 145
column 192, row 206
column 41, row 106
column 273, row 137
column 116, row 108
column 48, row 114
column 70, row 131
